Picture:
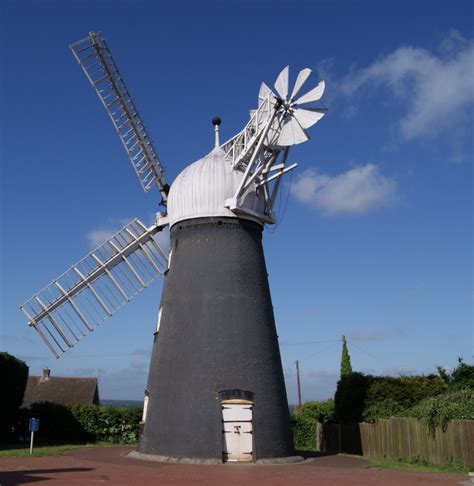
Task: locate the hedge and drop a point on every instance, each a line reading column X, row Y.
column 84, row 423
column 460, row 377
column 304, row 424
column 109, row 424
column 366, row 398
column 438, row 411
column 13, row 377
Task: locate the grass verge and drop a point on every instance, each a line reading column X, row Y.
column 419, row 466
column 19, row 450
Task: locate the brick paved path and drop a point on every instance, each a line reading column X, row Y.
column 108, row 465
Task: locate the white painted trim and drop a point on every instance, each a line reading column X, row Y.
column 158, row 320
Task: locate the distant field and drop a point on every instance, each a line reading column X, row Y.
column 123, row 403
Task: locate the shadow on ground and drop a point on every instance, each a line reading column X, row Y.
column 10, row 478
column 339, row 461
column 311, row 454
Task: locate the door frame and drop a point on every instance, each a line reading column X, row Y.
column 241, row 397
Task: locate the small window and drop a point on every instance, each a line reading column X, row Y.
column 145, row 405
column 158, row 320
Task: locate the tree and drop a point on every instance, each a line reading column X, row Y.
column 461, row 377
column 13, row 376
column 350, row 397
column 346, row 367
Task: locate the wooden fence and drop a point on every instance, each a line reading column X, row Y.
column 401, row 438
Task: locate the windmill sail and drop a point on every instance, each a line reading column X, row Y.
column 96, row 60
column 73, row 304
column 239, row 149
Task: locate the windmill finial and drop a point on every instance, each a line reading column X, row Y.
column 216, row 121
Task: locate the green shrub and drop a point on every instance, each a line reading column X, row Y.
column 57, row 423
column 80, row 423
column 350, row 397
column 367, row 398
column 461, row 377
column 109, row 424
column 13, row 376
column 383, row 409
column 304, row 424
column 304, row 432
column 322, row 411
column 438, row 411
column 388, row 396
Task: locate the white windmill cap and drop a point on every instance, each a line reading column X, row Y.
column 202, row 188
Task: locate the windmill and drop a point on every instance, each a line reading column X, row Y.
column 215, row 388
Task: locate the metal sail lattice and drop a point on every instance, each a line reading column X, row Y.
column 95, row 58
column 238, row 150
column 254, row 152
column 73, row 304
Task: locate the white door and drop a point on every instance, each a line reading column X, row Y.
column 237, row 430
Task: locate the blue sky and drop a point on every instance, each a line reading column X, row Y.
column 375, row 238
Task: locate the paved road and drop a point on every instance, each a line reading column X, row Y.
column 109, row 465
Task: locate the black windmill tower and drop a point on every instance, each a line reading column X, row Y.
column 215, row 389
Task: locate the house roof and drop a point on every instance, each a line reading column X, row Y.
column 61, row 390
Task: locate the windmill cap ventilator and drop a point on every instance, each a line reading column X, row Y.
column 216, row 121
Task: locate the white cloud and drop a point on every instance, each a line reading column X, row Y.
column 163, row 239
column 359, row 190
column 318, row 384
column 16, row 339
column 97, row 236
column 126, row 383
column 145, row 352
column 87, row 372
column 366, row 335
column 436, row 91
column 400, row 371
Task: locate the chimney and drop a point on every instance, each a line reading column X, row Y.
column 46, row 373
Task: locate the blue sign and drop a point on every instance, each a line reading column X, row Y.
column 34, row 425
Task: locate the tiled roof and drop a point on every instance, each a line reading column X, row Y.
column 61, row 390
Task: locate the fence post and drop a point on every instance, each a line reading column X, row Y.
column 319, row 436
column 339, row 436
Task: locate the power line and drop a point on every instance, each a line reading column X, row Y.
column 111, row 355
column 364, row 351
column 81, row 356
column 303, row 343
column 318, row 352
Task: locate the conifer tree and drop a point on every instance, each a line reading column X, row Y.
column 346, row 367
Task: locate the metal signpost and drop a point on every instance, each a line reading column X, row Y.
column 33, row 427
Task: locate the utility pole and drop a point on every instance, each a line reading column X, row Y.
column 299, row 385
